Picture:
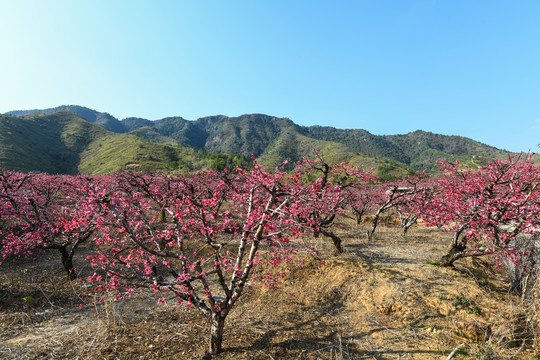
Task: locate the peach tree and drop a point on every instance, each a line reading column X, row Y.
column 198, row 239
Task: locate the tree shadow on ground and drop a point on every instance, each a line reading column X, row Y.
column 317, row 334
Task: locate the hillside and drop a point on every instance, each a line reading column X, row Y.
column 103, row 119
column 292, row 145
column 274, row 139
column 64, row 143
column 47, row 143
column 419, row 150
column 426, row 148
column 264, row 136
column 246, row 134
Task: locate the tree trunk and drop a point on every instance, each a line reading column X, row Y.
column 373, row 226
column 335, row 239
column 216, row 334
column 407, row 222
column 405, row 230
column 456, row 254
column 358, row 217
column 451, row 257
column 456, row 250
column 67, row 261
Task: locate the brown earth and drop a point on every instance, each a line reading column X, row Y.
column 379, row 300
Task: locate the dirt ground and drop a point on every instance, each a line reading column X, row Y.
column 378, row 300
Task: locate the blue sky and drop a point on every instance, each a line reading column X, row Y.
column 469, row 68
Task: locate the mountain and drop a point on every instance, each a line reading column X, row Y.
column 419, row 150
column 272, row 140
column 65, row 143
column 105, row 120
column 48, row 143
column 246, row 134
column 425, row 148
column 268, row 138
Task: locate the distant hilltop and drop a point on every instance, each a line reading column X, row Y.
column 83, row 134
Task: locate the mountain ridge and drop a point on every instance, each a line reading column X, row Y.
column 103, row 119
column 65, row 143
column 274, row 139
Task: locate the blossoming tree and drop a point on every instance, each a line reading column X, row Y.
column 197, row 238
column 485, row 210
column 43, row 212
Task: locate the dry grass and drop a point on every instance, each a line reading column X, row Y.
column 379, row 300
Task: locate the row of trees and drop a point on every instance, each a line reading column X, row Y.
column 198, row 238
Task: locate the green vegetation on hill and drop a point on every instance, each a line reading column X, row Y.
column 276, row 139
column 292, row 146
column 361, row 141
column 128, row 152
column 133, row 123
column 151, row 134
column 246, row 134
column 269, row 138
column 418, row 150
column 65, row 143
column 426, row 148
column 47, row 143
column 102, row 119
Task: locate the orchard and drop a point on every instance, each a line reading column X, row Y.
column 203, row 239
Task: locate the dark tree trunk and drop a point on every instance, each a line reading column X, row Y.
column 373, row 226
column 456, row 250
column 67, row 261
column 216, row 334
column 320, row 229
column 456, row 254
column 405, row 230
column 335, row 239
column 359, row 213
column 358, row 218
column 452, row 255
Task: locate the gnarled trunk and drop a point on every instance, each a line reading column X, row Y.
column 335, row 240
column 456, row 250
column 320, row 229
column 453, row 255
